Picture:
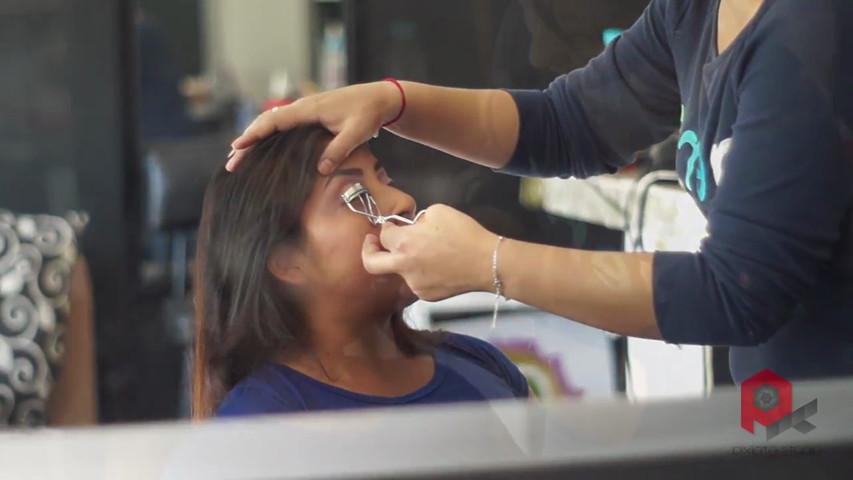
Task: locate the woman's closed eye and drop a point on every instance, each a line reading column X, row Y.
column 359, row 200
column 348, row 195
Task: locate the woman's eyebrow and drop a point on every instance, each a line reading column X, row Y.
column 349, row 172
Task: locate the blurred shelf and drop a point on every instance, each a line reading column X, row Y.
column 602, row 200
column 670, row 218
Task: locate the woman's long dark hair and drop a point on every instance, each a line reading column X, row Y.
column 244, row 315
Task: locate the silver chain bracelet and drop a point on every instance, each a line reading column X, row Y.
column 497, row 282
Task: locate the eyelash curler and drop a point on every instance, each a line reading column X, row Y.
column 360, row 201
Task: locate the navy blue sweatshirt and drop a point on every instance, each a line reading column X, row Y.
column 765, row 150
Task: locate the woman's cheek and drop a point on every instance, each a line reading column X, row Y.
column 338, row 237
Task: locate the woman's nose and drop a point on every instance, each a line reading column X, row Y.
column 396, row 202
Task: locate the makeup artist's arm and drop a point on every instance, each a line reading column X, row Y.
column 477, row 125
column 744, row 283
column 607, row 290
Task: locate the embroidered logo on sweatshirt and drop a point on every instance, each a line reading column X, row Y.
column 695, row 175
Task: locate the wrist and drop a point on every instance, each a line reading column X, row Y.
column 393, row 101
column 491, row 280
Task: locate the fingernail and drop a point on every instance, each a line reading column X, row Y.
column 233, row 151
column 326, row 166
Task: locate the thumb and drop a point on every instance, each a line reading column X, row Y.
column 371, row 244
column 340, row 148
column 377, row 260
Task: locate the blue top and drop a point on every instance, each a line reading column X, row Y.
column 466, row 369
column 765, row 150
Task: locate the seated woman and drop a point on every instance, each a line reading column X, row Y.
column 289, row 320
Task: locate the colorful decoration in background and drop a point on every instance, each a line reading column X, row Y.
column 544, row 373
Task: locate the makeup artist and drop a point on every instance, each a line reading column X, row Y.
column 761, row 93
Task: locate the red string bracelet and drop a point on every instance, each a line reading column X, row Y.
column 402, row 105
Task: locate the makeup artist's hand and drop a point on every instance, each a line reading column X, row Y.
column 353, row 114
column 445, row 253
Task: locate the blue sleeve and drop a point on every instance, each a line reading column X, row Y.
column 594, row 119
column 493, row 360
column 775, row 221
column 254, row 400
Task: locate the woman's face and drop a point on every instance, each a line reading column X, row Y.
column 334, row 235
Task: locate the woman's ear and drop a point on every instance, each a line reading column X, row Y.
column 285, row 265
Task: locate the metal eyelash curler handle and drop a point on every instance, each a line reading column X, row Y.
column 407, row 221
